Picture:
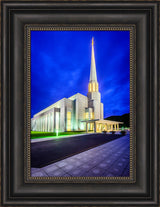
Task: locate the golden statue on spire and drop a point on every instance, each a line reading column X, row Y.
column 92, row 40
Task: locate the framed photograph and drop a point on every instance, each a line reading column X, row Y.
column 80, row 103
column 73, row 137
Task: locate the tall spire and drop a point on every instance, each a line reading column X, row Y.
column 93, row 84
column 93, row 75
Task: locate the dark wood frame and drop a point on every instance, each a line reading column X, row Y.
column 15, row 191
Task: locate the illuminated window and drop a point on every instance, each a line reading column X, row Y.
column 57, row 121
column 93, row 87
column 68, row 121
column 92, row 115
column 96, row 86
column 87, row 115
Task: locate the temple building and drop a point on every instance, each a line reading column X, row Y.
column 77, row 112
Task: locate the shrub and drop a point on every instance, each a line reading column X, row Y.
column 35, row 134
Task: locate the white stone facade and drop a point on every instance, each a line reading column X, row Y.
column 46, row 120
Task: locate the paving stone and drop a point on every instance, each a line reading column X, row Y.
column 118, row 168
column 80, row 156
column 76, row 172
column 39, row 174
column 95, row 172
column 87, row 166
column 66, row 175
column 61, row 163
column 77, row 163
column 86, row 159
column 33, row 170
column 104, row 155
column 103, row 165
column 68, row 167
column 71, row 159
column 126, row 171
column 58, row 173
column 94, row 162
column 50, row 168
column 108, row 174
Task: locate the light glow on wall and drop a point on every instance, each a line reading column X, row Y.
column 87, row 115
column 57, row 121
column 96, row 86
column 68, row 121
column 92, row 115
column 93, row 87
column 91, row 126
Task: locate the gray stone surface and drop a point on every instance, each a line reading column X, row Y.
column 110, row 159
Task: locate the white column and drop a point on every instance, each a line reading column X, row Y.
column 94, row 126
column 42, row 124
column 38, row 124
column 46, row 123
column 52, row 126
column 86, row 127
column 117, row 127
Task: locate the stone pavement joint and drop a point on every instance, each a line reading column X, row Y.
column 109, row 159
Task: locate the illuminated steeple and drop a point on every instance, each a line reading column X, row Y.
column 93, row 84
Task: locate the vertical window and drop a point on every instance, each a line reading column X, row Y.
column 91, row 124
column 87, row 115
column 93, row 87
column 48, row 121
column 68, row 121
column 43, row 123
column 96, row 86
column 51, row 122
column 92, row 115
column 57, row 121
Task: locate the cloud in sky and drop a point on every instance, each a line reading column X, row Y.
column 60, row 67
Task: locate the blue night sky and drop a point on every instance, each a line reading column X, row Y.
column 60, row 67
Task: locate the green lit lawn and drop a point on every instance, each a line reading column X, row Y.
column 37, row 135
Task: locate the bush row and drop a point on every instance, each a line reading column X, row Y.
column 47, row 134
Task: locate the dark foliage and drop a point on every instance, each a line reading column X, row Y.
column 124, row 118
column 123, row 133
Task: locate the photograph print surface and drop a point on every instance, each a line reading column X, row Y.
column 80, row 103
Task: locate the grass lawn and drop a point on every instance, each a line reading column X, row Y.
column 37, row 135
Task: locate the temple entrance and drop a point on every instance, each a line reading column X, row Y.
column 102, row 125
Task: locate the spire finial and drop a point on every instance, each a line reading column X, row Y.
column 92, row 40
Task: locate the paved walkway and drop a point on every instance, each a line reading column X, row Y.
column 110, row 159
